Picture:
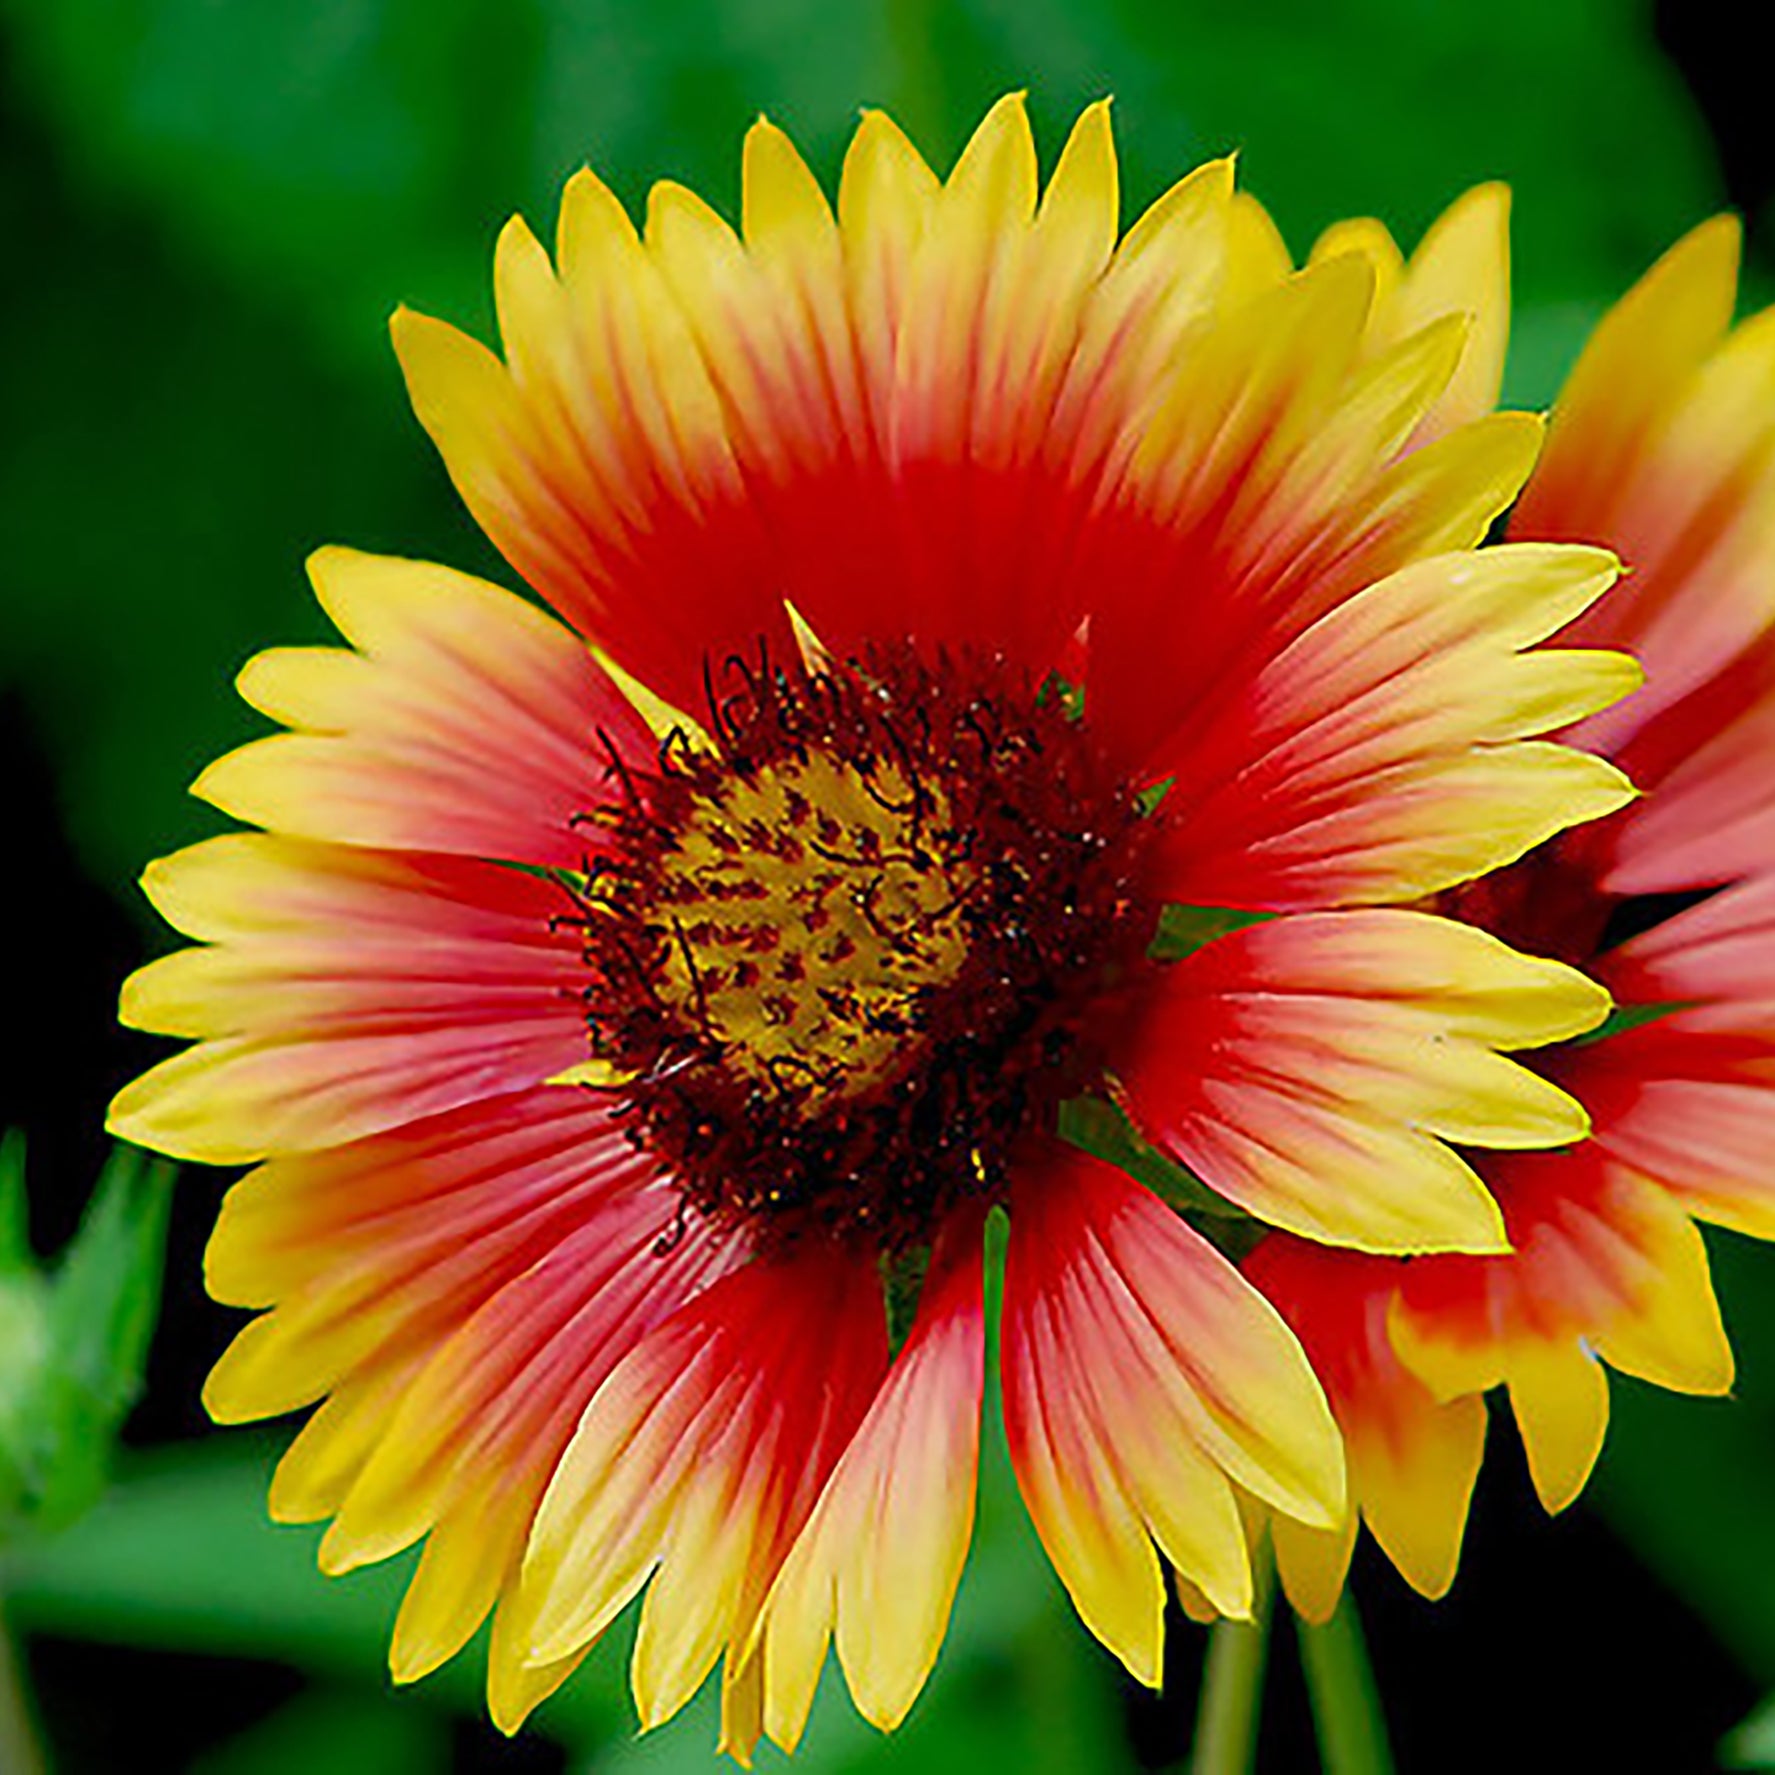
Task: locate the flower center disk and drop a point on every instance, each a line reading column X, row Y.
column 845, row 962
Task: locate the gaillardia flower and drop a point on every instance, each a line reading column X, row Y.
column 1000, row 678
column 1663, row 447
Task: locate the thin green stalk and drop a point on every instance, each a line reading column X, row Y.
column 1232, row 1683
column 1346, row 1704
column 20, row 1751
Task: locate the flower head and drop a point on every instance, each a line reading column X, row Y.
column 1002, row 680
column 1663, row 447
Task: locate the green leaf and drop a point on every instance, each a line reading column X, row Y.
column 1101, row 1129
column 73, row 1345
column 1185, row 929
column 180, row 1555
column 1625, row 1017
column 338, row 1730
column 1751, row 1744
column 902, row 1282
column 15, row 1215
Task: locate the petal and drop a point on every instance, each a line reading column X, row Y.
column 885, row 197
column 459, row 1288
column 1711, row 818
column 1413, row 1460
column 466, row 722
column 1462, row 266
column 1162, row 280
column 1663, row 447
column 1697, row 526
column 1644, row 349
column 1314, row 1564
column 1368, row 240
column 856, row 415
column 468, row 1456
column 1141, row 1374
column 1718, row 954
column 1689, row 1098
column 1706, row 1140
column 1268, row 487
column 1310, row 1068
column 1000, row 325
column 880, row 1559
column 1605, row 1268
column 346, row 991
column 322, row 1464
column 1561, row 1399
column 597, row 457
column 697, row 1463
column 1382, row 756
column 387, row 1245
column 1257, row 256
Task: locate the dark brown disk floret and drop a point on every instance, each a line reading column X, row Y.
column 847, row 959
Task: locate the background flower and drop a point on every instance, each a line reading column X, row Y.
column 1662, row 442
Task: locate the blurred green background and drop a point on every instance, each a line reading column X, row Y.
column 208, row 208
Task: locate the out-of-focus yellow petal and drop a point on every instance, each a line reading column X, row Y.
column 1644, row 348
column 1670, row 1334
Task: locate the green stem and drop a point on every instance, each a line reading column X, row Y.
column 1232, row 1682
column 19, row 1749
column 1346, row 1704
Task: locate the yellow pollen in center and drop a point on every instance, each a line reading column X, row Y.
column 811, row 913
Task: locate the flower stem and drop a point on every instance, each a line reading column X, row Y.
column 1232, row 1682
column 1346, row 1704
column 19, row 1749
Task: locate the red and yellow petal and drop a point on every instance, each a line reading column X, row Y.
column 1688, row 1098
column 481, row 1427
column 597, row 457
column 1142, row 1380
column 1605, row 1268
column 961, row 410
column 854, row 414
column 393, row 744
column 696, row 1465
column 1461, row 267
column 457, row 1290
column 1390, row 751
column 1663, row 448
column 1314, row 1068
column 343, row 992
column 355, row 1266
column 1413, row 1459
column 1643, row 352
column 877, row 1566
column 1711, row 819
